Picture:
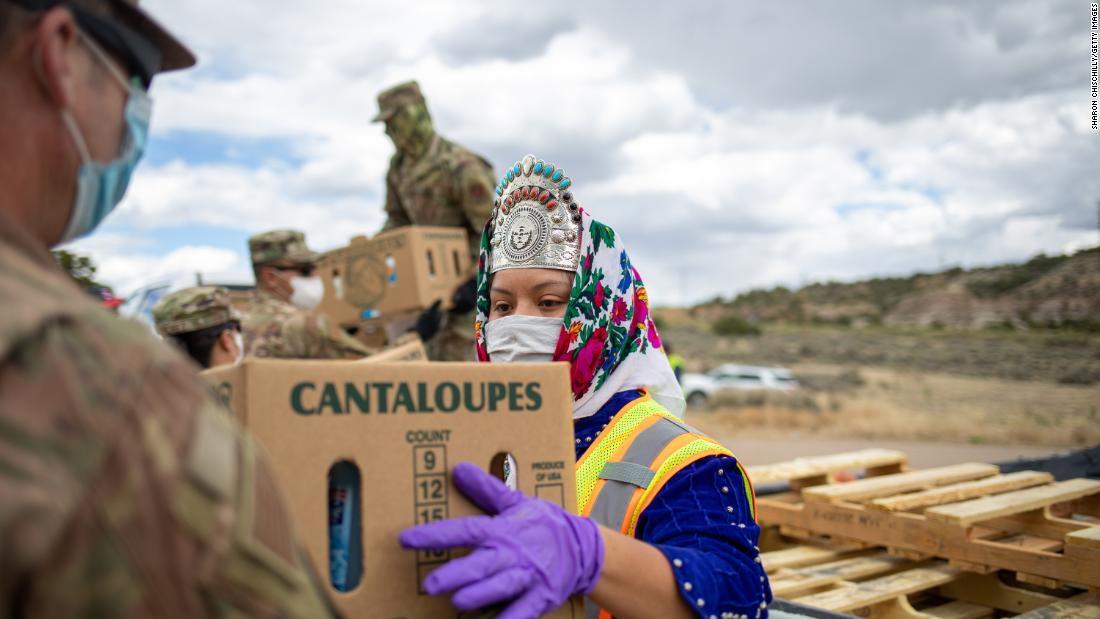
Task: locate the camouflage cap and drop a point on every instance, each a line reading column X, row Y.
column 132, row 32
column 276, row 245
column 193, row 309
column 396, row 97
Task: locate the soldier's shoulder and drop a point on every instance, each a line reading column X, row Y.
column 461, row 157
column 264, row 308
column 30, row 294
column 36, row 297
column 458, row 153
column 395, row 165
column 310, row 324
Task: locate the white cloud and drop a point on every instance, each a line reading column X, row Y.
column 128, row 270
column 716, row 160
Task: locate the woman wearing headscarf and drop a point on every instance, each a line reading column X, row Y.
column 667, row 525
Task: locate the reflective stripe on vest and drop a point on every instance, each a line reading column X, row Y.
column 639, row 451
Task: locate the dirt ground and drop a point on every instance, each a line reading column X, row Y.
column 879, row 403
column 753, row 449
column 1038, row 356
column 961, row 388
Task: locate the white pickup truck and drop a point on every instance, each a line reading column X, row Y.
column 700, row 388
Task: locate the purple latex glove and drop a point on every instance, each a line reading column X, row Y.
column 527, row 550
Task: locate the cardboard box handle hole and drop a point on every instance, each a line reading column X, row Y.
column 345, row 530
column 503, row 466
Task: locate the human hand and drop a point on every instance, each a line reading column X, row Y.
column 527, row 550
column 464, row 298
column 429, row 321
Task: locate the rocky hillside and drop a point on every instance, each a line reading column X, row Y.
column 1046, row 291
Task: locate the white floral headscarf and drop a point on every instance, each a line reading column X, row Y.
column 607, row 336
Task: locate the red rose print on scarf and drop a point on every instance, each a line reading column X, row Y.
column 597, row 302
column 587, row 360
column 618, row 311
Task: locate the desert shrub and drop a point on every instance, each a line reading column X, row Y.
column 793, row 400
column 844, row 381
column 1084, row 325
column 1081, row 375
column 1066, row 342
column 733, row 325
column 995, row 287
column 1012, row 277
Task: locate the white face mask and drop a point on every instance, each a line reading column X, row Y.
column 307, row 291
column 238, row 339
column 522, row 339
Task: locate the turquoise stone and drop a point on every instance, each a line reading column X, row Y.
column 566, row 183
column 557, row 176
column 538, row 168
column 500, row 191
column 515, row 169
column 510, row 175
column 549, row 169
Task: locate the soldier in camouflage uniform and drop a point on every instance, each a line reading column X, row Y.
column 280, row 322
column 125, row 491
column 435, row 182
column 203, row 323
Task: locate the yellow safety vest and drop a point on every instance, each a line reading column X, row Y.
column 640, row 450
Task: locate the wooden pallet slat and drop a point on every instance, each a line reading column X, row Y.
column 824, row 578
column 988, row 590
column 799, row 556
column 910, row 532
column 801, row 581
column 1030, row 542
column 1016, row 502
column 962, row 491
column 899, row 608
column 958, row 609
column 1083, row 606
column 977, row 520
column 881, row 589
column 1085, row 538
column 801, row 468
column 875, row 487
column 1037, row 522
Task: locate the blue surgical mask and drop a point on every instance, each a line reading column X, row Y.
column 101, row 186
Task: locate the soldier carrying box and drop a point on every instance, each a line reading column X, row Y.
column 434, row 182
column 280, row 322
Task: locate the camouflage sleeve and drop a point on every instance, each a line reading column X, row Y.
column 125, row 487
column 475, row 189
column 396, row 215
column 317, row 337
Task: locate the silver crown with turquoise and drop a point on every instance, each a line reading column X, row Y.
column 536, row 222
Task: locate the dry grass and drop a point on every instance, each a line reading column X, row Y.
column 1051, row 357
column 892, row 404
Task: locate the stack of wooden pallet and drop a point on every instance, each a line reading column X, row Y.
column 954, row 541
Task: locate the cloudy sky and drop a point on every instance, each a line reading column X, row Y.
column 732, row 144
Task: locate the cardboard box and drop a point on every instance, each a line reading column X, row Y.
column 400, row 270
column 371, row 333
column 412, row 350
column 404, row 426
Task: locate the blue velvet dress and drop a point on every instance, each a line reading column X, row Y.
column 701, row 521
